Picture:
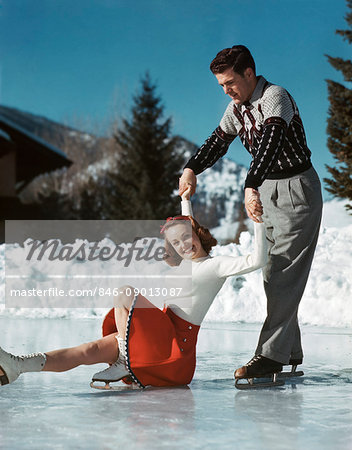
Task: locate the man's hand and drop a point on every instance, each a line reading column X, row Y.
column 188, row 179
column 253, row 204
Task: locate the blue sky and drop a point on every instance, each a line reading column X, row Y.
column 80, row 61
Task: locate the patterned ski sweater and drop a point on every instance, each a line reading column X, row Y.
column 270, row 128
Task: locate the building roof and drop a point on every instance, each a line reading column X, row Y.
column 34, row 156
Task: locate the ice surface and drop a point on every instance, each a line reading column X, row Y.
column 53, row 410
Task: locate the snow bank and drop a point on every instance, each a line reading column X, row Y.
column 328, row 296
column 327, row 300
column 335, row 215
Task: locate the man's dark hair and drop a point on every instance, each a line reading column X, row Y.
column 238, row 58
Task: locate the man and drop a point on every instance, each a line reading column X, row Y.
column 281, row 183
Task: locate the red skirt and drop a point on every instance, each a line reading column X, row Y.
column 160, row 346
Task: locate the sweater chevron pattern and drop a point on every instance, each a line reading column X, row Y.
column 270, row 128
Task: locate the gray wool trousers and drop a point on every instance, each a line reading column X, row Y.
column 292, row 216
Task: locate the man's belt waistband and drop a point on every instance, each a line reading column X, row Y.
column 289, row 173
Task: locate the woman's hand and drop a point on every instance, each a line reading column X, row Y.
column 187, row 193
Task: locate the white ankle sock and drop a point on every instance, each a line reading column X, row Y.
column 122, row 346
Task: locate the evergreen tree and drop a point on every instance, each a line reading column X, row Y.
column 55, row 206
column 148, row 162
column 340, row 122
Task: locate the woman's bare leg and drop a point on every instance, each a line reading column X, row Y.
column 103, row 350
column 122, row 304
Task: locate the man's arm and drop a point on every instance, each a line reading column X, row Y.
column 270, row 147
column 278, row 111
column 214, row 148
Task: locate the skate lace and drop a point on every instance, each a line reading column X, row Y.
column 23, row 357
column 118, row 363
column 253, row 360
column 121, row 361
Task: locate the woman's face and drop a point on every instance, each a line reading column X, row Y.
column 185, row 241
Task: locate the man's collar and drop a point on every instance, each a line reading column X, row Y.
column 258, row 91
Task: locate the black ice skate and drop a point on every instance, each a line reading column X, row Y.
column 294, row 372
column 259, row 367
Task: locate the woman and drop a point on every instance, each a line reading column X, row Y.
column 141, row 343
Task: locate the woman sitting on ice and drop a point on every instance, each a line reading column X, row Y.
column 141, row 342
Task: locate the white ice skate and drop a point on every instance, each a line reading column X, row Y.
column 12, row 366
column 114, row 373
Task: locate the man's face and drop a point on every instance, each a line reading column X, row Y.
column 239, row 88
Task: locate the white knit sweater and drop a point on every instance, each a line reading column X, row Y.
column 209, row 274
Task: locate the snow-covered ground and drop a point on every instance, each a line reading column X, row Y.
column 327, row 299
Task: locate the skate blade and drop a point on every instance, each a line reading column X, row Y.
column 249, row 383
column 292, row 374
column 108, row 387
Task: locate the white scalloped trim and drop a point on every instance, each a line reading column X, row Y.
column 133, row 376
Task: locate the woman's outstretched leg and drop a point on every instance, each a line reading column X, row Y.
column 102, row 350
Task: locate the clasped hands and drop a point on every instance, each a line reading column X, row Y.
column 252, row 203
column 187, row 184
